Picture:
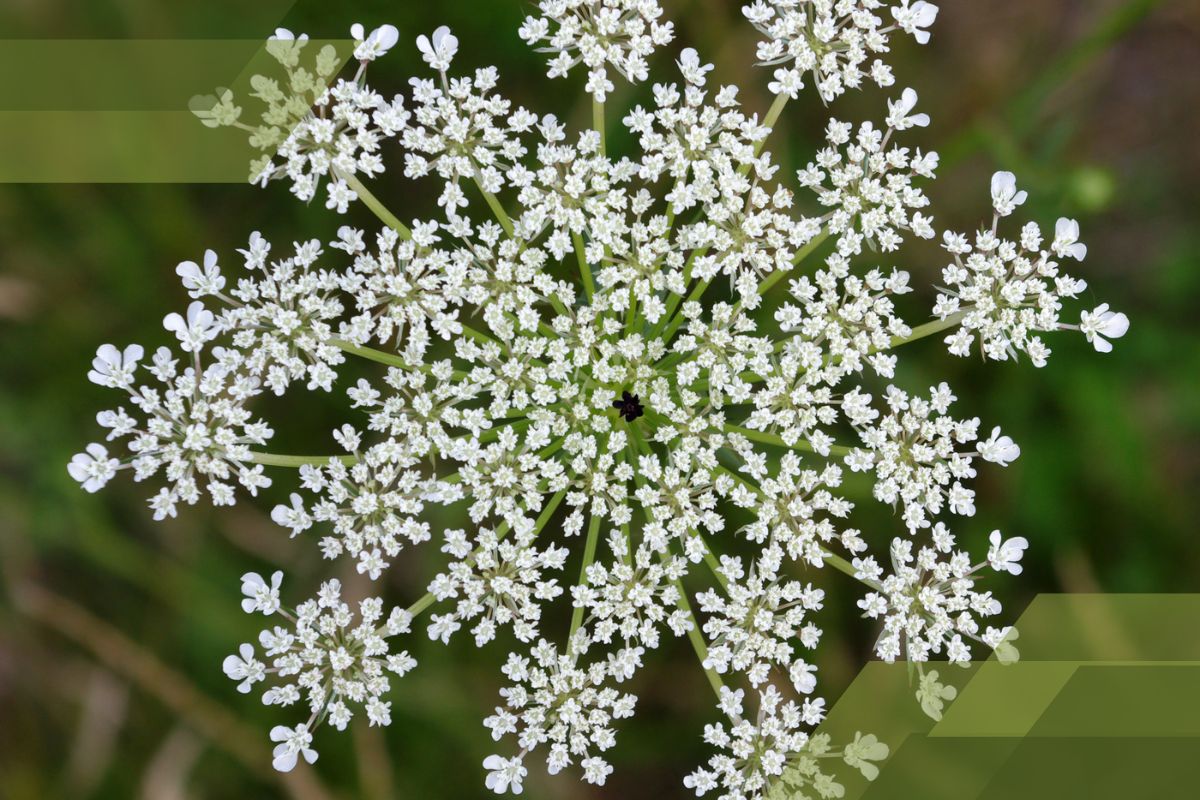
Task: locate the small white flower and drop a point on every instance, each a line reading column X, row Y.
column 285, row 35
column 93, row 468
column 292, row 515
column 787, row 82
column 201, row 281
column 864, row 750
column 596, row 770
column 261, row 596
column 1066, row 240
column 1005, row 554
column 598, row 84
column 689, row 64
column 244, row 668
column 1099, row 325
column 1005, row 196
column 898, row 112
column 439, row 52
column 803, row 676
column 374, row 44
column 199, row 327
column 115, row 368
column 999, row 449
column 505, row 774
column 294, row 742
column 340, row 196
column 915, row 18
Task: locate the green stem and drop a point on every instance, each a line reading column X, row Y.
column 478, row 336
column 425, row 602
column 928, row 329
column 370, row 354
column 842, row 565
column 589, row 555
column 714, row 564
column 674, row 300
column 379, row 209
column 678, row 319
column 585, row 271
column 768, row 122
column 697, row 638
column 772, row 117
column 380, row 357
column 803, row 253
column 497, row 208
column 772, row 439
column 598, row 124
column 277, row 460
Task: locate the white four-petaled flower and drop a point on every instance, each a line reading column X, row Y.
column 438, row 52
column 1099, row 325
column 374, row 44
column 199, row 327
column 1005, row 195
column 260, row 595
column 1005, row 554
column 115, row 368
column 999, row 449
column 93, row 468
column 504, row 774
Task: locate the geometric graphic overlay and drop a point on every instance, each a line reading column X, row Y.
column 121, row 110
column 1104, row 702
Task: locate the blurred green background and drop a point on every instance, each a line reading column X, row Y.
column 113, row 628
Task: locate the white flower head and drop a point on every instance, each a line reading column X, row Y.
column 840, row 44
column 504, row 774
column 1005, row 195
column 1099, row 325
column 1005, row 554
column 374, row 44
column 440, row 51
column 690, row 65
column 899, row 116
column 115, row 368
column 999, row 449
column 93, row 468
column 578, row 348
column 602, row 35
column 198, row 328
column 293, row 743
column 1066, row 240
column 914, row 19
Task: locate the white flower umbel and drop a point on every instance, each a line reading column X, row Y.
column 617, row 388
column 602, row 34
column 1004, row 293
column 193, row 427
column 837, row 42
column 324, row 657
